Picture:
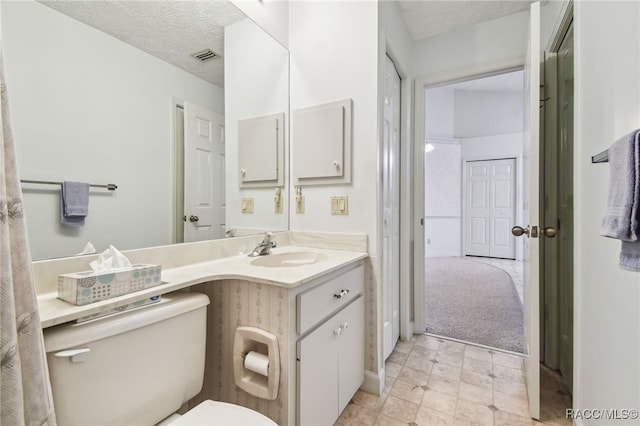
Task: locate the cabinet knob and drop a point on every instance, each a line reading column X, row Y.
column 338, row 331
column 345, row 325
column 341, row 294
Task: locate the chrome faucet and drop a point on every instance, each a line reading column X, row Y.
column 265, row 246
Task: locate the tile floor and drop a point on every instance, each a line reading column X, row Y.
column 433, row 381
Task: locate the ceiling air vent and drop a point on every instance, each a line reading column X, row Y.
column 205, row 55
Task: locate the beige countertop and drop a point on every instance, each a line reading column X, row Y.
column 54, row 311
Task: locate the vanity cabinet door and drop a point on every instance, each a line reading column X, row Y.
column 350, row 352
column 331, row 365
column 318, row 375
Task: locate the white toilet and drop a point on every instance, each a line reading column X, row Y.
column 137, row 368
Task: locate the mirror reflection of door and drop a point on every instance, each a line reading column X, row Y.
column 203, row 183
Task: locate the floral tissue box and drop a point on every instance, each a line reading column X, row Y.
column 82, row 288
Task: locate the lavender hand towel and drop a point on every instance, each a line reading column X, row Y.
column 74, row 203
column 622, row 215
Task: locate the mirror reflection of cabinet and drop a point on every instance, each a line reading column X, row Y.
column 260, row 151
column 256, row 117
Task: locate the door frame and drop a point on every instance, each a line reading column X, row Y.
column 549, row 250
column 177, row 172
column 421, row 85
column 407, row 203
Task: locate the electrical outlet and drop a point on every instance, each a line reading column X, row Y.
column 428, row 240
column 247, row 205
column 340, row 205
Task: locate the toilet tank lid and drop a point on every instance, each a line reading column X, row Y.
column 171, row 305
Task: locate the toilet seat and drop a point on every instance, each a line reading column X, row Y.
column 216, row 413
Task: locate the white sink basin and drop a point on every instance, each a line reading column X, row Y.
column 287, row 260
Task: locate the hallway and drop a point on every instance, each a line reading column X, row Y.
column 433, row 381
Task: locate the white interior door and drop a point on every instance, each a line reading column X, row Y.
column 490, row 208
column 391, row 208
column 503, row 209
column 531, row 211
column 204, row 160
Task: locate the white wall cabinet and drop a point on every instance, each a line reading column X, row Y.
column 322, row 144
column 331, row 356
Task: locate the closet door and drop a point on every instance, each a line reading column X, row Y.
column 490, row 208
column 477, row 207
column 502, row 211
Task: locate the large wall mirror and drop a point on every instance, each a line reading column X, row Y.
column 111, row 93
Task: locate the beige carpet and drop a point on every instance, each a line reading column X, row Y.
column 474, row 302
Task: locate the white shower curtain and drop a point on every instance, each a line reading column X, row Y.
column 25, row 397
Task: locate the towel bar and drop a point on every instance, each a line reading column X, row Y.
column 601, row 157
column 109, row 186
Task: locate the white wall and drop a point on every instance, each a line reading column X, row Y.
column 486, row 46
column 607, row 89
column 484, row 113
column 443, row 198
column 440, row 113
column 257, row 74
column 334, row 56
column 491, row 147
column 91, row 108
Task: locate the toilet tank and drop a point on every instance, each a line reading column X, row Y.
column 140, row 366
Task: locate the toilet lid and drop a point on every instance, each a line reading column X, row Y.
column 216, row 413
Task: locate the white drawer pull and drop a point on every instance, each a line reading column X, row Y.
column 341, row 294
column 74, row 355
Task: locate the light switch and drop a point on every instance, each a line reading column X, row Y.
column 247, row 205
column 340, row 205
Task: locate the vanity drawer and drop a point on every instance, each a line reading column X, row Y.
column 320, row 301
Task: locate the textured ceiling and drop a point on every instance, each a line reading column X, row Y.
column 169, row 30
column 172, row 30
column 428, row 18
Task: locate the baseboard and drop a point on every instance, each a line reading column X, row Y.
column 373, row 382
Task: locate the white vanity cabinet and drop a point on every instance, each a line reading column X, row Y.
column 330, row 350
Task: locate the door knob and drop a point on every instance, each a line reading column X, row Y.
column 519, row 230
column 193, row 218
column 530, row 231
column 549, row 232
